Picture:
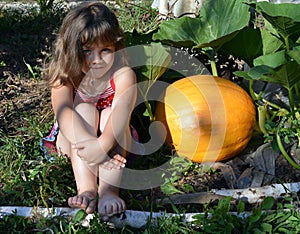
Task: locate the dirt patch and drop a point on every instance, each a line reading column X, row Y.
column 20, row 97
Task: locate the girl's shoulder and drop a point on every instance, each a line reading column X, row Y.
column 124, row 72
column 58, row 83
column 123, row 69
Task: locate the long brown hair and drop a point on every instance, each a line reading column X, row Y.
column 87, row 23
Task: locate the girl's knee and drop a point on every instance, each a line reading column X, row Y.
column 89, row 115
column 63, row 145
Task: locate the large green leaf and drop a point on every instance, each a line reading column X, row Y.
column 286, row 75
column 285, row 18
column 137, row 38
column 178, row 32
column 155, row 62
column 271, row 60
column 149, row 62
column 218, row 22
column 270, row 39
column 242, row 45
column 295, row 54
column 255, row 73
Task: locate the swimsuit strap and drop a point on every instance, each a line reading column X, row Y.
column 112, row 82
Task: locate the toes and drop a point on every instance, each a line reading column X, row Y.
column 75, row 201
column 83, row 201
column 111, row 208
column 91, row 206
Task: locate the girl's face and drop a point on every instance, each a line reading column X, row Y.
column 99, row 59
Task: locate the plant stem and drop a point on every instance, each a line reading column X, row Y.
column 42, row 196
column 251, row 90
column 281, row 147
column 259, row 96
column 291, row 99
column 275, row 106
column 148, row 107
column 262, row 118
column 286, row 41
column 298, row 136
column 147, row 104
column 285, row 154
column 297, row 92
column 213, row 66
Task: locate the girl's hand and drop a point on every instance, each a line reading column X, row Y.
column 116, row 162
column 91, row 152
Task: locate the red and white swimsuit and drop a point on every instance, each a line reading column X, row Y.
column 103, row 100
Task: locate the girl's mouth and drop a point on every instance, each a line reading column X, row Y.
column 97, row 66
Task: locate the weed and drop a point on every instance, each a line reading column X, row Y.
column 261, row 220
column 142, row 17
column 33, row 71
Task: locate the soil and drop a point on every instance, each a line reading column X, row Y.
column 21, row 93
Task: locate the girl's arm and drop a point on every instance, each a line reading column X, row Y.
column 124, row 101
column 70, row 123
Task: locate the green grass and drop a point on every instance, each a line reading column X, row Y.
column 20, row 1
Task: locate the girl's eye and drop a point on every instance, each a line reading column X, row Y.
column 106, row 50
column 87, row 52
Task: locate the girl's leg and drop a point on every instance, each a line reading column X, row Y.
column 109, row 202
column 85, row 176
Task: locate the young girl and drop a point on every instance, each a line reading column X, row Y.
column 92, row 97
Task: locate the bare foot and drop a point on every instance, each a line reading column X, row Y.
column 110, row 204
column 85, row 200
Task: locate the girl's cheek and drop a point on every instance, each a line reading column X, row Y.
column 85, row 67
column 109, row 59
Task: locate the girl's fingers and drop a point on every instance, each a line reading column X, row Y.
column 77, row 146
column 119, row 158
column 106, row 166
column 113, row 164
column 116, row 163
column 80, row 145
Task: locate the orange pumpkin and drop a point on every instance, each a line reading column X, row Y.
column 208, row 118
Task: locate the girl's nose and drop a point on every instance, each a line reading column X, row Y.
column 95, row 58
